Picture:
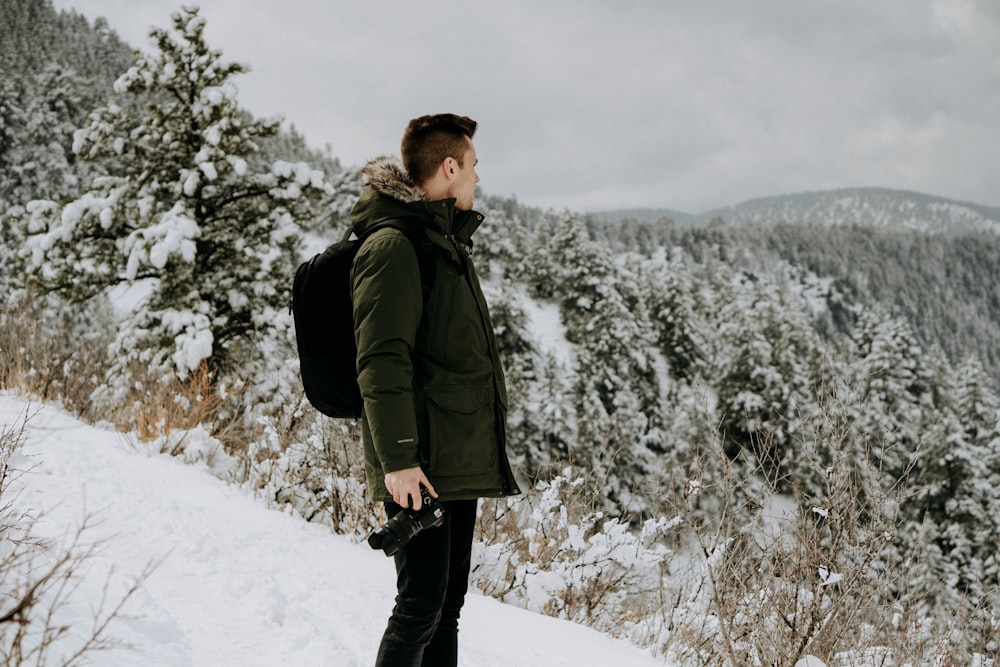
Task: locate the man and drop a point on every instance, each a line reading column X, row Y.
column 430, row 375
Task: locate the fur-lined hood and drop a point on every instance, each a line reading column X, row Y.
column 390, row 193
column 387, row 175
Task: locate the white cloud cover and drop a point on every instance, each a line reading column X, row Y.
column 589, row 105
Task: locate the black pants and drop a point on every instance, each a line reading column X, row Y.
column 432, row 576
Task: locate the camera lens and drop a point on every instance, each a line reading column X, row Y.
column 376, row 540
column 406, row 524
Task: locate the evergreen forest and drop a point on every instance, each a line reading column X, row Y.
column 671, row 384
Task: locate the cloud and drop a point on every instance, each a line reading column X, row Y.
column 587, row 104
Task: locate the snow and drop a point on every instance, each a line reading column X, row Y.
column 193, row 344
column 127, row 298
column 545, row 321
column 172, row 234
column 810, row 661
column 238, row 583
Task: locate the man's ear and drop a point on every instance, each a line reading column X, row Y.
column 449, row 165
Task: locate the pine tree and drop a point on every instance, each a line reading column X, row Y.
column 46, row 167
column 895, row 390
column 617, row 390
column 11, row 119
column 182, row 213
column 977, row 405
column 910, row 414
column 950, row 488
column 12, row 122
column 768, row 376
column 501, row 241
column 537, row 401
column 672, row 299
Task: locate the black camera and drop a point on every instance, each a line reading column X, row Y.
column 405, row 525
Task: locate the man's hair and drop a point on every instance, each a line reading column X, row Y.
column 428, row 140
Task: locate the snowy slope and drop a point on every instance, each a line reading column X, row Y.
column 237, row 583
column 865, row 207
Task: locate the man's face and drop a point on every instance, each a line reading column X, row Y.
column 463, row 185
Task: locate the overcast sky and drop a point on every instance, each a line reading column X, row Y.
column 589, row 104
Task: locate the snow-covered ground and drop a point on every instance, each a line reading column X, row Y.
column 238, row 583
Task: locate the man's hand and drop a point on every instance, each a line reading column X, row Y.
column 405, row 484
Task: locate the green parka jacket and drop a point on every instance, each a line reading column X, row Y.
column 430, row 376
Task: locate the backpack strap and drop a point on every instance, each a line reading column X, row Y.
column 414, row 232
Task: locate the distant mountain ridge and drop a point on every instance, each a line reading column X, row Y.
column 867, row 207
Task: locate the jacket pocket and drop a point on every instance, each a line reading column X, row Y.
column 462, row 430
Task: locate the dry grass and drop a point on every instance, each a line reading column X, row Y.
column 53, row 352
column 158, row 408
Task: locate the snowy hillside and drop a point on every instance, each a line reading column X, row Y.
column 866, row 207
column 237, row 583
column 869, row 207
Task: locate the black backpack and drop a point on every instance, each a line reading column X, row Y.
column 324, row 319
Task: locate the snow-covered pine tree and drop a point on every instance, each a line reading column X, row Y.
column 617, row 390
column 949, row 488
column 12, row 120
column 35, row 160
column 894, row 388
column 672, row 299
column 767, row 379
column 53, row 70
column 977, row 405
column 41, row 163
column 212, row 242
column 538, row 401
column 502, row 240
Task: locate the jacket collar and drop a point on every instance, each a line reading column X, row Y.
column 390, row 193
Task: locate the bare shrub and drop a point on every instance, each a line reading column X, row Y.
column 53, row 351
column 816, row 571
column 549, row 551
column 798, row 579
column 38, row 580
column 315, row 465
